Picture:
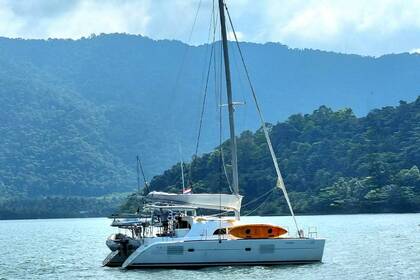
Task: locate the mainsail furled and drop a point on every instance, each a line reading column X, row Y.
column 225, row 202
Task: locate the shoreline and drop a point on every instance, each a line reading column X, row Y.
column 298, row 215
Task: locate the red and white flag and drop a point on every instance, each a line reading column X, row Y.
column 187, row 191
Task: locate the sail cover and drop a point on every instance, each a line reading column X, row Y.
column 227, row 202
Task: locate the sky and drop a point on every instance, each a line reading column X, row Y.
column 366, row 27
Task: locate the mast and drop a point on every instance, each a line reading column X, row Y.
column 229, row 99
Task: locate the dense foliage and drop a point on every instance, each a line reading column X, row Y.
column 333, row 162
column 147, row 94
column 52, row 142
column 74, row 113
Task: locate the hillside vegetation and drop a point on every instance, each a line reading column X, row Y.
column 147, row 94
column 332, row 161
column 75, row 113
column 52, row 141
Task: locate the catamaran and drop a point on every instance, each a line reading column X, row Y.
column 173, row 235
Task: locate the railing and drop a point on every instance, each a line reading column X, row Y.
column 312, row 232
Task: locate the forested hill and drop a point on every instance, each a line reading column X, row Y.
column 75, row 113
column 147, row 94
column 52, row 141
column 332, row 162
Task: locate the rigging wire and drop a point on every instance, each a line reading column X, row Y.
column 172, row 118
column 224, row 169
column 270, row 191
column 218, row 87
column 218, row 90
column 259, row 197
column 182, row 168
column 187, row 48
column 221, row 160
column 240, row 118
column 203, row 105
column 140, row 169
column 219, row 103
column 262, row 203
column 280, row 182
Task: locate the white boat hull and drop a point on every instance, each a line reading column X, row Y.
column 227, row 252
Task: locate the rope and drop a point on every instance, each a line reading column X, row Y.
column 280, row 183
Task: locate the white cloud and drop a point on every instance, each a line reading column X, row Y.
column 367, row 27
column 89, row 17
column 239, row 35
column 10, row 24
column 81, row 19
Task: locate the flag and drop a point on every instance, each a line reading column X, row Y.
column 187, row 191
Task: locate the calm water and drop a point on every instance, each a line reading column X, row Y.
column 358, row 247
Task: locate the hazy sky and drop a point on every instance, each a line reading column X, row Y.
column 369, row 27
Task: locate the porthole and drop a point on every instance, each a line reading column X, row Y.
column 247, row 231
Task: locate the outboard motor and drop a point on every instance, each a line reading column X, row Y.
column 121, row 246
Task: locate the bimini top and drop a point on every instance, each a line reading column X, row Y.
column 226, row 202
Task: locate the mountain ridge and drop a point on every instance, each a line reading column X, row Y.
column 141, row 96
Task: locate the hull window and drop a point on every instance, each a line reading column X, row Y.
column 267, row 249
column 175, row 250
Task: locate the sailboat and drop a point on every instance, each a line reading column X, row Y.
column 173, row 235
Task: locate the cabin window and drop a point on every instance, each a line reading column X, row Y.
column 267, row 248
column 191, row 250
column 247, row 249
column 175, row 250
column 182, row 224
column 219, row 231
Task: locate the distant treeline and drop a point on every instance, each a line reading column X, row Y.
column 59, row 207
column 332, row 162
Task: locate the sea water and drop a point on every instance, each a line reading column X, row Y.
column 380, row 246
